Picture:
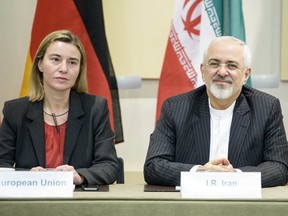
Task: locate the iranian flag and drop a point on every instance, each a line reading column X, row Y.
column 194, row 24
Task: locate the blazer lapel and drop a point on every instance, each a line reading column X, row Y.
column 73, row 125
column 239, row 126
column 201, row 129
column 36, row 129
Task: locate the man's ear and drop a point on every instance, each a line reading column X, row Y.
column 202, row 71
column 246, row 75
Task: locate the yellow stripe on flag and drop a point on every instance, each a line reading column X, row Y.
column 26, row 77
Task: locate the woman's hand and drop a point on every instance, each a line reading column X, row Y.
column 38, row 168
column 77, row 179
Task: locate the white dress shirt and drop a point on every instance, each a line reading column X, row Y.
column 220, row 124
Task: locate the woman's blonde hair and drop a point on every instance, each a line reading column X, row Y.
column 36, row 92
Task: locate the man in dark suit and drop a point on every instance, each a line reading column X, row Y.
column 220, row 126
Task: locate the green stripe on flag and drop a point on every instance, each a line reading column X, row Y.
column 230, row 16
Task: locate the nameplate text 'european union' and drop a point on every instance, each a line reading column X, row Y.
column 36, row 184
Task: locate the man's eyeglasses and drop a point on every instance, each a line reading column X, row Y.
column 230, row 66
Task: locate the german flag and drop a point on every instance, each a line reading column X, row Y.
column 85, row 19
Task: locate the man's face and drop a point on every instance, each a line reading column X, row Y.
column 223, row 70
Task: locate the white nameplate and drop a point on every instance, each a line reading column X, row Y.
column 221, row 185
column 36, row 184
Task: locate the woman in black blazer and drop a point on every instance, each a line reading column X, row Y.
column 59, row 125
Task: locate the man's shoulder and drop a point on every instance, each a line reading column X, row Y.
column 255, row 94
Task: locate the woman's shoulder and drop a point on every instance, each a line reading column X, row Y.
column 87, row 101
column 16, row 107
column 18, row 101
column 91, row 97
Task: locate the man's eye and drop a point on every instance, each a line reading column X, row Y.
column 214, row 64
column 232, row 66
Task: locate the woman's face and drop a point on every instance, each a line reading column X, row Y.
column 60, row 66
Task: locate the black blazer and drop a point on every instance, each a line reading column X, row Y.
column 88, row 143
column 181, row 138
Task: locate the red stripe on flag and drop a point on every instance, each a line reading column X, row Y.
column 174, row 75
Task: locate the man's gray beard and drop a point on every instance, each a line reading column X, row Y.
column 221, row 93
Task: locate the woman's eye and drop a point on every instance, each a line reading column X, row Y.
column 55, row 59
column 73, row 62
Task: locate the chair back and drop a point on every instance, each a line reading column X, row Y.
column 120, row 175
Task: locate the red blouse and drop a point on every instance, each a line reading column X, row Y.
column 54, row 145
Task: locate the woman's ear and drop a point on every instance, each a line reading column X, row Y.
column 40, row 65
